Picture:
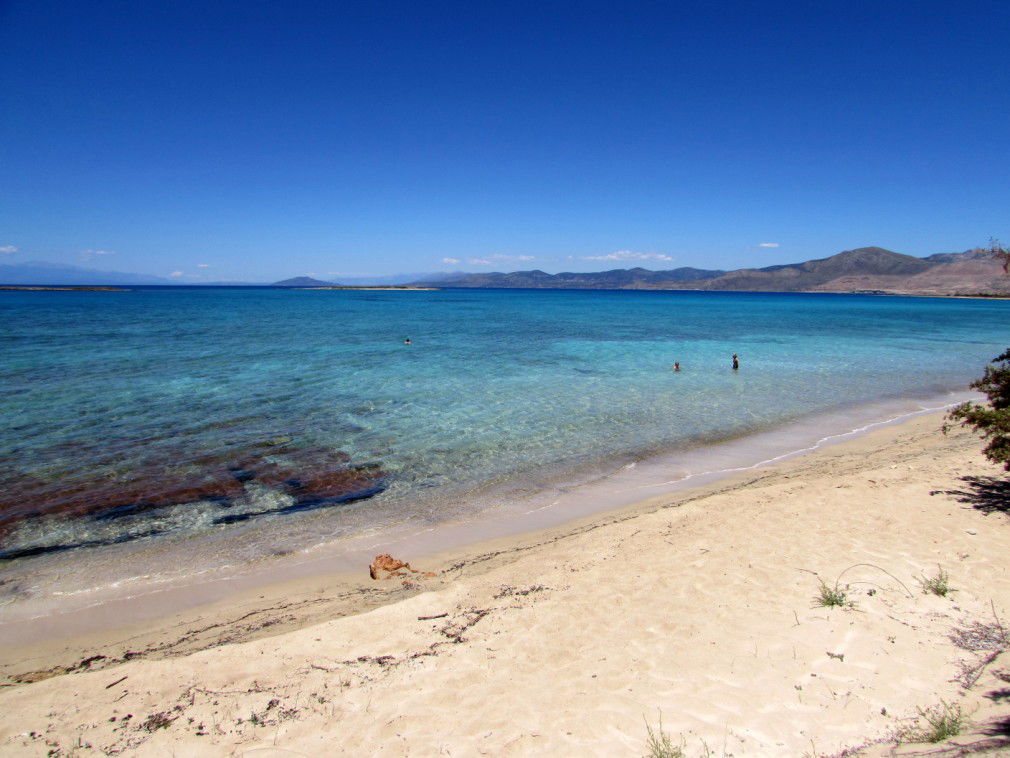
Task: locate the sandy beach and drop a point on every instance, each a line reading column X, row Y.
column 695, row 610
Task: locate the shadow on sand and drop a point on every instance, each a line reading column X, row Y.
column 998, row 733
column 988, row 494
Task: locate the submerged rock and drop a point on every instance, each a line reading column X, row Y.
column 110, row 499
column 219, row 489
column 312, row 476
column 309, row 478
column 336, row 486
column 287, row 467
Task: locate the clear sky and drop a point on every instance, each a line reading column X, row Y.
column 259, row 140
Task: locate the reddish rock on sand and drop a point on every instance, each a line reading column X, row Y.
column 389, row 564
column 394, row 567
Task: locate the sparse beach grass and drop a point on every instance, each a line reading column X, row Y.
column 936, row 585
column 659, row 744
column 988, row 641
column 837, row 595
column 941, row 722
column 831, row 596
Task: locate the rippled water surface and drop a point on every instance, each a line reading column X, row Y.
column 276, row 419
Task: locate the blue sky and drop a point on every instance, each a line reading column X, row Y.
column 259, row 140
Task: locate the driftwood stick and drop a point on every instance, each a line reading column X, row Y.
column 429, row 618
column 1006, row 638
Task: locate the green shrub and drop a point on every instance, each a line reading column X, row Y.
column 991, row 419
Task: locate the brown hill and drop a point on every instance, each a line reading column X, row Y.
column 963, row 274
column 816, row 274
column 865, row 269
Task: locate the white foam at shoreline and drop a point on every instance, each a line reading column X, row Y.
column 824, row 441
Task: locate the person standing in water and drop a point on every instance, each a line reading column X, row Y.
column 676, row 367
column 736, row 363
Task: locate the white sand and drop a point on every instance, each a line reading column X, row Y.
column 697, row 607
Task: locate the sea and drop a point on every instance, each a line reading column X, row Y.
column 161, row 436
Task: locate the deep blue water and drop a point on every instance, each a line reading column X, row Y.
column 118, row 393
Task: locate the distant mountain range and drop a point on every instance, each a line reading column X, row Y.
column 302, row 281
column 866, row 269
column 44, row 273
column 620, row 278
column 368, row 281
column 40, row 272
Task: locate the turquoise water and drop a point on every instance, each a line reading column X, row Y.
column 498, row 387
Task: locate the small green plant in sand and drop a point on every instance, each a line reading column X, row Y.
column 942, row 721
column 936, row 585
column 831, row 597
column 660, row 744
column 835, row 596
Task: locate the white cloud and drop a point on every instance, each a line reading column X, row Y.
column 8, row 249
column 87, row 255
column 768, row 244
column 450, row 261
column 506, row 257
column 629, row 255
column 203, row 265
column 176, row 274
column 490, row 260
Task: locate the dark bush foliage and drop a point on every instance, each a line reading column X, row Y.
column 992, row 419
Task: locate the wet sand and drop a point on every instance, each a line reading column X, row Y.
column 697, row 607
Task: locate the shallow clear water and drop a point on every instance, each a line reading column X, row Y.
column 498, row 388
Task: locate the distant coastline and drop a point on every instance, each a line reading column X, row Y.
column 455, row 286
column 40, row 288
column 866, row 270
column 383, row 288
column 862, row 271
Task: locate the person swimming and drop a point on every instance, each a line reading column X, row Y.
column 407, row 342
